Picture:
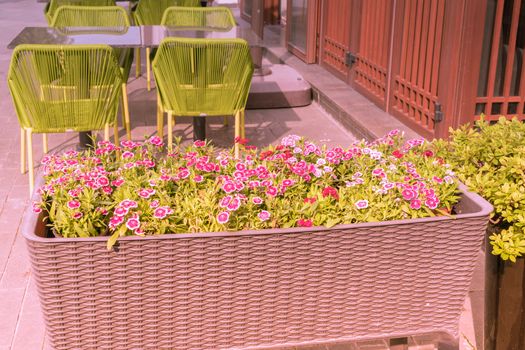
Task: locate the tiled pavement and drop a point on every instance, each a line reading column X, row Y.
column 21, row 324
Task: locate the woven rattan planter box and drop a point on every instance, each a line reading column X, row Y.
column 258, row 289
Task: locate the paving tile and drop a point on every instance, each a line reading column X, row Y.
column 10, row 304
column 17, row 269
column 30, row 331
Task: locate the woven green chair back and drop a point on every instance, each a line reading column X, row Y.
column 100, row 19
column 220, row 18
column 91, row 16
column 59, row 88
column 150, row 12
column 203, row 76
column 55, row 4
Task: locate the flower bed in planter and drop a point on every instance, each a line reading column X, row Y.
column 264, row 287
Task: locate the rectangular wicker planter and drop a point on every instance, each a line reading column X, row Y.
column 258, row 289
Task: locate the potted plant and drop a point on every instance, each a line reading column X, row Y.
column 489, row 159
column 289, row 245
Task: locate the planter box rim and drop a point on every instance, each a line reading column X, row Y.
column 29, row 223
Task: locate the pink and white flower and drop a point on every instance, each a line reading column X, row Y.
column 162, row 212
column 257, row 200
column 73, row 204
column 133, row 223
column 361, row 204
column 223, row 217
column 264, row 215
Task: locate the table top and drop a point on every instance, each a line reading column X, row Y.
column 130, row 37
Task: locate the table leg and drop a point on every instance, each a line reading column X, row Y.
column 199, row 128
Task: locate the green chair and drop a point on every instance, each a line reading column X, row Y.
column 148, row 13
column 60, row 88
column 214, row 18
column 112, row 18
column 53, row 5
column 202, row 77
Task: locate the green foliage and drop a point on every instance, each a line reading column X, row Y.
column 490, row 160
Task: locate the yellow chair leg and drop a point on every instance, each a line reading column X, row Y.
column 148, row 74
column 160, row 118
column 243, row 125
column 225, row 121
column 138, row 68
column 44, row 143
column 170, row 131
column 29, row 137
column 115, row 135
column 237, row 132
column 22, row 151
column 106, row 132
column 125, row 111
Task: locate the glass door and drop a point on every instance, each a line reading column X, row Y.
column 302, row 28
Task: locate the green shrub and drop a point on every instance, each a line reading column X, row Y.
column 490, row 160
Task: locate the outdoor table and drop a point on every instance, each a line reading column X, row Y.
column 135, row 37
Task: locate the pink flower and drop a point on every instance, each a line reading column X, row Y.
column 432, row 202
column 310, row 200
column 107, row 189
column 228, row 187
column 415, row 204
column 155, row 141
column 330, row 192
column 133, row 223
column 199, row 143
column 128, row 203
column 257, row 200
column 146, row 192
column 234, row 204
column 127, row 154
column 103, row 181
column 223, row 217
column 448, row 179
column 305, row 223
column 198, row 178
column 73, row 204
column 36, row 207
column 437, row 179
column 288, row 182
column 264, row 215
column 409, row 194
column 117, row 182
column 162, row 212
column 115, row 221
column 154, row 204
column 240, row 166
column 121, row 211
column 361, row 204
column 77, row 215
column 225, row 201
column 271, row 191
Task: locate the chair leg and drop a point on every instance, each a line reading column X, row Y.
column 106, row 132
column 237, row 133
column 170, row 131
column 29, row 137
column 160, row 118
column 138, row 68
column 243, row 125
column 44, row 143
column 22, row 151
column 115, row 133
column 148, row 73
column 125, row 111
column 225, row 121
